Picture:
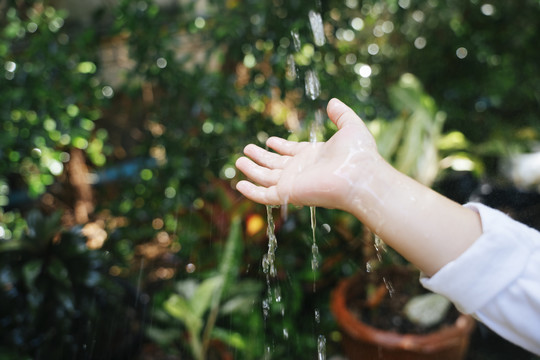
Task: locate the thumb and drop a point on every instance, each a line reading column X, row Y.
column 341, row 114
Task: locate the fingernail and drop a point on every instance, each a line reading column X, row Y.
column 335, row 103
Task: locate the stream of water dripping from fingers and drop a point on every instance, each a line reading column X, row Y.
column 321, row 340
column 312, row 89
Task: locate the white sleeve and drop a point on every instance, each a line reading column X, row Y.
column 497, row 279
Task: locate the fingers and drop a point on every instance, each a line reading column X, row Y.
column 284, row 147
column 259, row 174
column 341, row 114
column 265, row 158
column 259, row 194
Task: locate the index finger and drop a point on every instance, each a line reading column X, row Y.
column 264, row 157
column 284, row 147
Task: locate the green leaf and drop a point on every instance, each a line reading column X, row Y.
column 390, row 138
column 43, row 228
column 163, row 337
column 232, row 253
column 66, row 298
column 180, row 308
column 186, row 288
column 232, row 339
column 427, row 310
column 31, row 270
column 406, row 94
column 208, row 289
column 240, row 303
column 12, row 245
column 59, row 272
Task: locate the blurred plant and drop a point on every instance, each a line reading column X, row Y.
column 198, row 82
column 57, row 300
column 198, row 304
column 50, row 97
column 410, row 141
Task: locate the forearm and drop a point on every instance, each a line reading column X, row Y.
column 425, row 227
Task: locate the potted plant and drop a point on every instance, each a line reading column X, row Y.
column 427, row 328
column 384, row 312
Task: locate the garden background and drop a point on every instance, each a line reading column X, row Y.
column 121, row 121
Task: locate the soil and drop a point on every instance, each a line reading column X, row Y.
column 380, row 304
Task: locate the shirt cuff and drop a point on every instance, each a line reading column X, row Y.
column 489, row 265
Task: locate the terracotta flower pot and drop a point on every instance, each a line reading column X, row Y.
column 362, row 341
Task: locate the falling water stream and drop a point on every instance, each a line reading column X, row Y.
column 312, row 90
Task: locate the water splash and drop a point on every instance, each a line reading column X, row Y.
column 267, row 353
column 312, row 84
column 314, row 132
column 277, row 294
column 389, row 287
column 265, row 308
column 268, row 262
column 380, row 247
column 317, row 28
column 314, row 247
column 369, row 267
column 321, row 340
column 291, row 67
column 321, row 348
column 296, row 40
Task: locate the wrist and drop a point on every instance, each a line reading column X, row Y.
column 371, row 187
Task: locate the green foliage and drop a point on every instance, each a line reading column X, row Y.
column 59, row 112
column 192, row 85
column 197, row 305
column 55, row 294
column 410, row 142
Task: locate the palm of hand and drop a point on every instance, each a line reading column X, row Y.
column 316, row 174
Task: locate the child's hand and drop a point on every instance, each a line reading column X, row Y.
column 325, row 174
column 347, row 173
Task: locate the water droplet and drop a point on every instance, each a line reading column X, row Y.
column 389, row 287
column 161, row 63
column 296, row 40
column 284, row 211
column 265, row 263
column 265, row 307
column 379, row 246
column 10, row 66
column 277, row 294
column 107, row 91
column 269, row 257
column 315, row 250
column 314, row 264
column 190, row 268
column 314, row 247
column 321, row 348
column 317, row 316
column 317, row 27
column 312, row 85
column 462, row 52
column 291, row 67
column 487, row 9
column 326, row 228
column 273, row 270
